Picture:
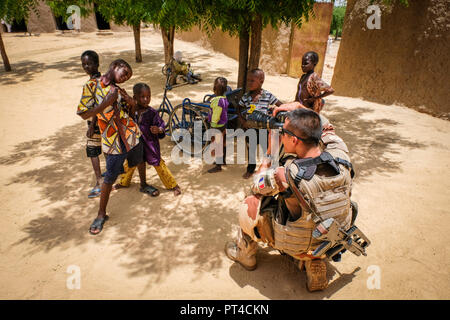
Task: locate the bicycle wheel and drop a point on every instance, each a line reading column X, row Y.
column 188, row 131
column 165, row 115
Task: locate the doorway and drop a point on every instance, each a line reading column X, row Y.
column 102, row 24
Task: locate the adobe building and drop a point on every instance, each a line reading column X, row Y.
column 406, row 61
column 281, row 49
column 46, row 22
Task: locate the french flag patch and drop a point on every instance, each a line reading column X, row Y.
column 261, row 183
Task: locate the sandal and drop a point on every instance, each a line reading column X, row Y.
column 150, row 190
column 95, row 192
column 98, row 225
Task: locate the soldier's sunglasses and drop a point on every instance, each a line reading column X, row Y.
column 284, row 131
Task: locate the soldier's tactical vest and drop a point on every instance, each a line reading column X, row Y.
column 329, row 195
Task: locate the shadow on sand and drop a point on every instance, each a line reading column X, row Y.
column 371, row 143
column 158, row 234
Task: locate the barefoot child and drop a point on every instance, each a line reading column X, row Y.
column 120, row 134
column 152, row 128
column 310, row 86
column 90, row 64
column 218, row 119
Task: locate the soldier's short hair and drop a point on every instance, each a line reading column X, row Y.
column 306, row 124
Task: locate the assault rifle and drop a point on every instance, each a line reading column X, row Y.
column 337, row 240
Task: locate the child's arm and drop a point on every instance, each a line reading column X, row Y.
column 242, row 107
column 91, row 128
column 158, row 126
column 324, row 88
column 110, row 98
column 130, row 102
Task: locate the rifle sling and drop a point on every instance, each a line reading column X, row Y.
column 303, row 203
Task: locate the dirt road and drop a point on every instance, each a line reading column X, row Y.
column 172, row 248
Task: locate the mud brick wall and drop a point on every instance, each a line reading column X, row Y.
column 405, row 62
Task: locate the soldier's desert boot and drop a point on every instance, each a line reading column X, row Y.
column 316, row 274
column 243, row 251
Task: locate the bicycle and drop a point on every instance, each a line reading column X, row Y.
column 189, row 120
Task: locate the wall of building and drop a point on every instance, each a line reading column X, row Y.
column 405, row 62
column 312, row 36
column 282, row 48
column 45, row 22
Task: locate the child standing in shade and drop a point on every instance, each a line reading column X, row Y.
column 311, row 88
column 218, row 119
column 152, row 129
column 90, row 64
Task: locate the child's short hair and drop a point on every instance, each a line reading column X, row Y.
column 220, row 84
column 314, row 56
column 138, row 87
column 120, row 63
column 91, row 54
column 258, row 73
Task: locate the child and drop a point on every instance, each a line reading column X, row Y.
column 219, row 119
column 90, row 64
column 152, row 128
column 120, row 134
column 256, row 98
column 310, row 86
column 178, row 66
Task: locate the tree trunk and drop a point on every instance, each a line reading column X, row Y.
column 243, row 58
column 168, row 37
column 137, row 42
column 4, row 56
column 255, row 49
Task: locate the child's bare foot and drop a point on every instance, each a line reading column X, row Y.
column 176, row 191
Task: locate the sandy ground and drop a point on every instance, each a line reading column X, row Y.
column 172, row 248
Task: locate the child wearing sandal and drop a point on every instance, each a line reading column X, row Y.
column 90, row 64
column 152, row 129
column 120, row 134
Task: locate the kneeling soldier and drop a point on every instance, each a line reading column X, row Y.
column 291, row 203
